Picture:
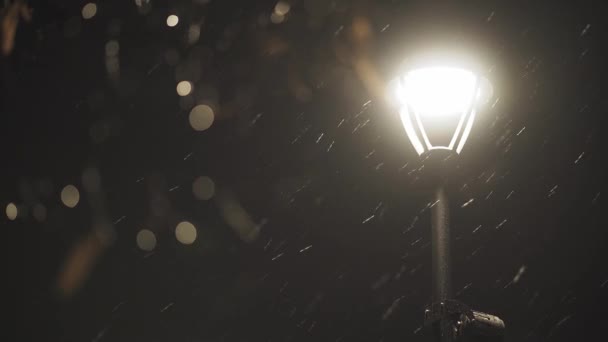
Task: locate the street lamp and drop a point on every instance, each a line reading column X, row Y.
column 437, row 104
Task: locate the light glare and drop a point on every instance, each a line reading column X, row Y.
column 439, row 91
column 432, row 99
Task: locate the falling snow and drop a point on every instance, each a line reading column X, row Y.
column 166, row 307
column 305, row 249
column 552, row 191
column 520, row 272
column 368, row 219
column 465, row 204
column 319, row 138
column 501, row 223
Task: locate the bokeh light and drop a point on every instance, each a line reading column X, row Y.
column 194, row 32
column 184, row 88
column 201, row 117
column 112, row 48
column 282, row 8
column 237, row 217
column 203, row 188
column 172, row 20
column 11, row 211
column 70, row 196
column 89, row 10
column 143, row 6
column 146, row 240
column 185, row 232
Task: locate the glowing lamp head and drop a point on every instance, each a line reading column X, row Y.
column 437, row 105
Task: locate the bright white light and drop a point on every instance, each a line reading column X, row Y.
column 172, row 20
column 439, row 91
column 432, row 95
column 184, row 88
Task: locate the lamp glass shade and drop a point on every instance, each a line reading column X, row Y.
column 437, row 106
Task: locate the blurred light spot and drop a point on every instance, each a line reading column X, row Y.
column 184, row 88
column 112, row 66
column 194, row 32
column 89, row 10
column 140, row 3
column 146, row 240
column 70, row 196
column 143, row 6
column 39, row 212
column 172, row 20
column 281, row 8
column 276, row 18
column 11, row 211
column 203, row 188
column 237, row 218
column 201, row 117
column 185, row 232
column 79, row 262
column 112, row 48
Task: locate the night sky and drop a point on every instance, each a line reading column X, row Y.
column 309, row 204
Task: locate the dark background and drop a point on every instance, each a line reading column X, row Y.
column 298, row 143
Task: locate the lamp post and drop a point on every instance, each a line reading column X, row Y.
column 437, row 105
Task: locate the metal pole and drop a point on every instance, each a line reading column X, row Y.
column 440, row 249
